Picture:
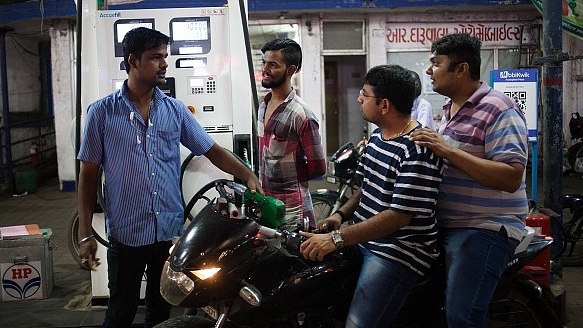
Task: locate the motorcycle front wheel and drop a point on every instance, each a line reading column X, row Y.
column 323, row 202
column 187, row 321
column 573, row 255
column 519, row 309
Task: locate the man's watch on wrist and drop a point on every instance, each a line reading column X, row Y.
column 337, row 239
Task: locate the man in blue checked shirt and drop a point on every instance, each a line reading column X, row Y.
column 135, row 135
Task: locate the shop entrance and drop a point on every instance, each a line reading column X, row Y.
column 343, row 78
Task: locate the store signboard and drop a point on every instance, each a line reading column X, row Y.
column 416, row 35
column 572, row 12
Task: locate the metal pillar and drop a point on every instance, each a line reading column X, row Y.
column 78, row 105
column 552, row 92
column 5, row 107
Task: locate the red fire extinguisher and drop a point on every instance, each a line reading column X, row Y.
column 540, row 266
column 33, row 150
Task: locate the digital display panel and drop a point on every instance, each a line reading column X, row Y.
column 187, row 31
column 196, row 82
column 122, row 26
column 191, row 62
column 190, row 35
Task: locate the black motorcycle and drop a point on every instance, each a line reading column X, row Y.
column 237, row 269
column 573, row 228
column 574, row 155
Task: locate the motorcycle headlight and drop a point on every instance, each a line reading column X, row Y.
column 203, row 274
column 175, row 286
column 331, row 168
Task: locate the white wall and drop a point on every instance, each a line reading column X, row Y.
column 62, row 47
column 23, row 72
column 312, row 85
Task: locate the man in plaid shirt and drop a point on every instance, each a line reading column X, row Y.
column 290, row 145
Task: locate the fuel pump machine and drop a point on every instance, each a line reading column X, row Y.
column 207, row 71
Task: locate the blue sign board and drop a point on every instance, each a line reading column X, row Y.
column 522, row 86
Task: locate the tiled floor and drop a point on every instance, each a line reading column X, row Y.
column 69, row 302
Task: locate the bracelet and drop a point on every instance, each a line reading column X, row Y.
column 86, row 239
column 341, row 215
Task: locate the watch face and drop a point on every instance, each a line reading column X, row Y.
column 337, row 238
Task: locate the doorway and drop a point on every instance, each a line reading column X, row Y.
column 343, row 78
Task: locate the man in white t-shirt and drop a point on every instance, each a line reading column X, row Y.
column 421, row 110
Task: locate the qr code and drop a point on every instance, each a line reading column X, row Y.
column 520, row 99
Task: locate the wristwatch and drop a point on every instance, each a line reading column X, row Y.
column 337, row 239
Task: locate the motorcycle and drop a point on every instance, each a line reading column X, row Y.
column 520, row 298
column 237, row 269
column 341, row 169
column 573, row 228
column 574, row 155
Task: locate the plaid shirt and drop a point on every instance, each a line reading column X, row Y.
column 290, row 154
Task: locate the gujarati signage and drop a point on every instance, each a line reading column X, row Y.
column 420, row 35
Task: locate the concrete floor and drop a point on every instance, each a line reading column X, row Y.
column 69, row 304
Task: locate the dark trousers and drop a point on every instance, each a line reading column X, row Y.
column 127, row 266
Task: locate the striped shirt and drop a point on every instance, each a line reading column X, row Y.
column 399, row 175
column 489, row 125
column 141, row 163
column 290, row 154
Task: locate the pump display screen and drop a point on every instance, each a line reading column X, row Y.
column 122, row 26
column 186, row 31
column 190, row 35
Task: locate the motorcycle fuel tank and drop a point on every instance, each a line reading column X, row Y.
column 291, row 284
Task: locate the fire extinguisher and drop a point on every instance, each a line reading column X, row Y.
column 33, row 150
column 540, row 266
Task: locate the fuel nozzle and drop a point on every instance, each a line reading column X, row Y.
column 272, row 209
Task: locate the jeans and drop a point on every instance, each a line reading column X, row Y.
column 474, row 261
column 126, row 267
column 381, row 290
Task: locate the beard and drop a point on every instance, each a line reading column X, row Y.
column 276, row 82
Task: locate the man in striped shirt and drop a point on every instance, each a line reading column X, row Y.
column 393, row 211
column 135, row 135
column 482, row 200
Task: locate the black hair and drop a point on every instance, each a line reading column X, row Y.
column 291, row 50
column 417, row 80
column 394, row 83
column 140, row 39
column 460, row 48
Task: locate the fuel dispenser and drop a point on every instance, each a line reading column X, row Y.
column 207, row 71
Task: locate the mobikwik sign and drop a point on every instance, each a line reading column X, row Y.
column 514, row 75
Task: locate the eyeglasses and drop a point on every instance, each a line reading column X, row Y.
column 362, row 93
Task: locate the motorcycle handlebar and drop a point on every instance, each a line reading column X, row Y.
column 293, row 240
column 269, row 232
